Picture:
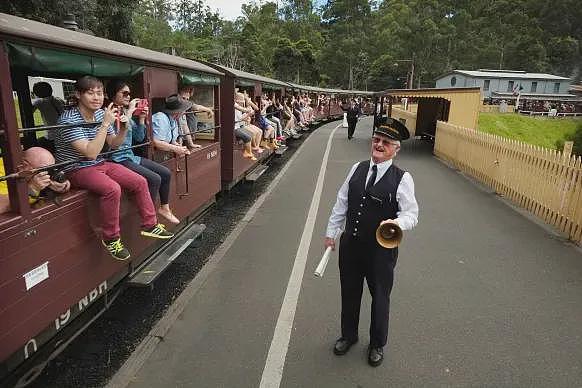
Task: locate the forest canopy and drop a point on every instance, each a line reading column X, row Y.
column 356, row 44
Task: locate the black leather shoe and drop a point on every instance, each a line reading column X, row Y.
column 375, row 356
column 342, row 346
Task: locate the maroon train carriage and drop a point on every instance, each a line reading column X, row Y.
column 234, row 166
column 49, row 292
column 55, row 276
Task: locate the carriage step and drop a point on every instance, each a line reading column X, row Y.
column 297, row 136
column 281, row 150
column 256, row 172
column 145, row 276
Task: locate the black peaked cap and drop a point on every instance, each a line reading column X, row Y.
column 391, row 128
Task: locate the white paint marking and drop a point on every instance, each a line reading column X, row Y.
column 273, row 371
column 129, row 371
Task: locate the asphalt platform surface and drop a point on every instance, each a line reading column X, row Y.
column 483, row 296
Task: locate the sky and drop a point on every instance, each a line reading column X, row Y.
column 228, row 9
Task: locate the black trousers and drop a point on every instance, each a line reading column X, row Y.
column 358, row 260
column 351, row 127
column 157, row 175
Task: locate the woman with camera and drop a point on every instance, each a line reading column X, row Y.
column 158, row 176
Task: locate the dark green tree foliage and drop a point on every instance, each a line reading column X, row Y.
column 295, row 62
column 344, row 43
column 347, row 26
column 151, row 25
column 115, row 20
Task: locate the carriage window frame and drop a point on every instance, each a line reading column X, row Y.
column 26, row 60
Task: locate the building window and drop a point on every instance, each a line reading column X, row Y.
column 534, row 87
column 557, row 87
column 486, row 84
column 453, row 81
column 510, row 86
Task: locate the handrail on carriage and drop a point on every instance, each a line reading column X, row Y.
column 52, row 127
column 34, row 171
column 67, row 126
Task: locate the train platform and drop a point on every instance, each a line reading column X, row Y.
column 484, row 295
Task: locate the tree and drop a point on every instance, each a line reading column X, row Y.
column 115, row 20
column 151, row 25
column 346, row 26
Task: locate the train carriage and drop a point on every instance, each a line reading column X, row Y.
column 53, row 268
column 234, row 166
column 55, row 277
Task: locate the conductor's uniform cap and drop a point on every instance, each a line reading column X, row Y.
column 391, row 128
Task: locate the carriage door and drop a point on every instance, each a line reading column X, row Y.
column 159, row 84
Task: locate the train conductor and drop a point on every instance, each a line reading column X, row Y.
column 375, row 190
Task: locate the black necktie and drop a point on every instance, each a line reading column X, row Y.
column 372, row 179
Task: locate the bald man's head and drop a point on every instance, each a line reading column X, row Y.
column 38, row 157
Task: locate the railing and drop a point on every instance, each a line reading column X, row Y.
column 550, row 114
column 495, row 108
column 545, row 182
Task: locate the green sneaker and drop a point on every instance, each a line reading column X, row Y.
column 116, row 249
column 157, row 231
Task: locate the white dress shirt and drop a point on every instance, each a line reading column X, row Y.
column 406, row 216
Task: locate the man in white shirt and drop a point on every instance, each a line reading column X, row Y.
column 375, row 190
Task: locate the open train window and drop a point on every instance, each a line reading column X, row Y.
column 43, row 84
column 203, row 96
column 202, row 88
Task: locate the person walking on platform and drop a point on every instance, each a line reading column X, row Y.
column 375, row 190
column 353, row 112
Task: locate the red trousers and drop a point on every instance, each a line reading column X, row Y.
column 106, row 180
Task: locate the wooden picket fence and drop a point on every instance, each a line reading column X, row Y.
column 545, row 182
column 495, row 108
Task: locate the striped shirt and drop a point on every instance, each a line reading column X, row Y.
column 65, row 137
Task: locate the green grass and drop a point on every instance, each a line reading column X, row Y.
column 541, row 131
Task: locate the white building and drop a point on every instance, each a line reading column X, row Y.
column 504, row 84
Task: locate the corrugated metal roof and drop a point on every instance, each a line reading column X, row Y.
column 24, row 29
column 508, row 74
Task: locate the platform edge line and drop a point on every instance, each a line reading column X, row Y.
column 275, row 362
column 131, row 367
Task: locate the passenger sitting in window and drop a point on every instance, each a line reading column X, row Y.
column 189, row 121
column 50, row 109
column 256, row 133
column 38, row 184
column 267, row 131
column 165, row 126
column 104, row 178
column 158, row 176
column 272, row 115
column 242, row 134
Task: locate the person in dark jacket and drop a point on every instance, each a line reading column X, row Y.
column 353, row 112
column 376, row 190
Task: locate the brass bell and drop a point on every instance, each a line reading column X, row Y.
column 389, row 234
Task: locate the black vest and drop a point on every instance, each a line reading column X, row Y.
column 367, row 209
